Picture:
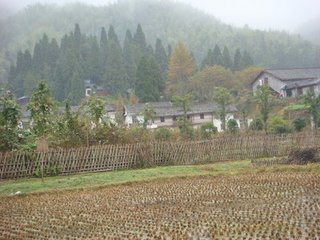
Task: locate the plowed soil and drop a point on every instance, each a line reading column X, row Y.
column 260, row 206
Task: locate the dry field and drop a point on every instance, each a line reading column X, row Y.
column 259, row 206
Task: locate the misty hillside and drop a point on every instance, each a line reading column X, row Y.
column 311, row 30
column 169, row 21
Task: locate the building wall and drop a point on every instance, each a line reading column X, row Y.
column 273, row 82
column 195, row 120
column 317, row 89
column 168, row 122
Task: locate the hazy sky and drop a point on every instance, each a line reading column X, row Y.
column 262, row 14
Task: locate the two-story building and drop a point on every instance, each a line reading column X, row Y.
column 289, row 82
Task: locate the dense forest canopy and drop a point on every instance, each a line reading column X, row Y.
column 167, row 20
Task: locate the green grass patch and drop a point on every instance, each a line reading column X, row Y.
column 89, row 180
column 297, row 107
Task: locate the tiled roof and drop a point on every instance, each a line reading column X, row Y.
column 295, row 73
column 301, row 83
column 167, row 109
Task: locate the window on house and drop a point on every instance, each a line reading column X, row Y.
column 201, row 116
column 174, row 118
column 266, row 81
column 162, row 119
column 188, row 117
column 300, row 92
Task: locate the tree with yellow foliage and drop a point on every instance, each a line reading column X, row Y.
column 181, row 68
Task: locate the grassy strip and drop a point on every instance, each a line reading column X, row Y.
column 89, row 180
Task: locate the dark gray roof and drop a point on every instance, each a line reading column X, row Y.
column 167, row 109
column 295, row 73
column 138, row 108
column 301, row 83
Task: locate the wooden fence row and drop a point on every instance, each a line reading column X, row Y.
column 114, row 157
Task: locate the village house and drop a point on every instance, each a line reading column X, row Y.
column 166, row 114
column 289, row 82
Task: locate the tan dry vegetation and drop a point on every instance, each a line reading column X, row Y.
column 251, row 206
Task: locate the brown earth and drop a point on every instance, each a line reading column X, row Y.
column 261, row 206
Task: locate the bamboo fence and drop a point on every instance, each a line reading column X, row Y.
column 114, row 157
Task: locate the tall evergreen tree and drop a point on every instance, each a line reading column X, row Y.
column 246, row 60
column 115, row 77
column 112, row 36
column 227, row 61
column 140, row 40
column 149, row 81
column 77, row 91
column 208, row 60
column 237, row 65
column 77, row 40
column 103, row 45
column 23, row 66
column 129, row 58
column 217, row 56
column 161, row 58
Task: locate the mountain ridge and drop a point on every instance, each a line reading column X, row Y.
column 167, row 20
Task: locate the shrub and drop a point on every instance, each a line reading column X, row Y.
column 279, row 125
column 299, row 123
column 162, row 134
column 256, row 125
column 232, row 125
column 207, row 130
column 303, row 156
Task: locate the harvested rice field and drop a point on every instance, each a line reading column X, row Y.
column 250, row 206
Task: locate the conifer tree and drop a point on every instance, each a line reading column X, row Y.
column 227, row 61
column 115, row 77
column 246, row 60
column 129, row 58
column 208, row 60
column 112, row 36
column 217, row 56
column 140, row 40
column 161, row 58
column 237, row 65
column 149, row 84
column 77, row 90
column 103, row 45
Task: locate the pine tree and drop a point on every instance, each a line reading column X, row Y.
column 161, row 58
column 208, row 60
column 237, row 65
column 77, row 41
column 227, row 61
column 217, row 56
column 112, row 36
column 140, row 40
column 129, row 58
column 115, row 77
column 77, row 86
column 103, row 45
column 24, row 63
column 246, row 60
column 149, row 84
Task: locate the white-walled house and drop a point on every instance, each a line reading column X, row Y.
column 166, row 114
column 289, row 82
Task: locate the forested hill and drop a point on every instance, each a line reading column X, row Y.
column 170, row 21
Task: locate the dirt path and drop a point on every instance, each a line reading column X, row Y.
column 264, row 206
